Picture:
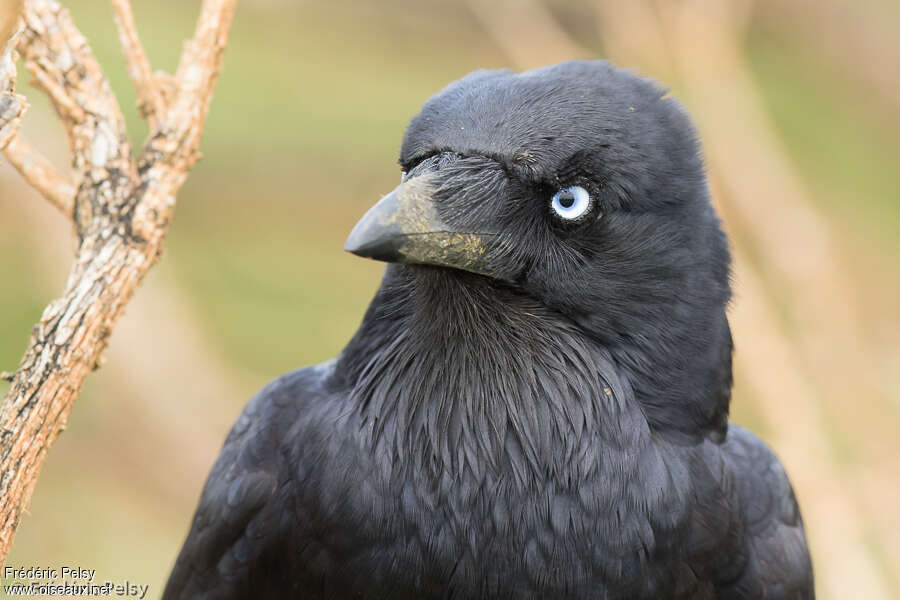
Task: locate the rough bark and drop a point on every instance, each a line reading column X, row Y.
column 120, row 207
column 12, row 105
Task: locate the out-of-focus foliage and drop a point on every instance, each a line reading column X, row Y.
column 303, row 136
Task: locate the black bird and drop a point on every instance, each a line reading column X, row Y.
column 536, row 402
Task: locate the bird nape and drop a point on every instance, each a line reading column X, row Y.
column 536, row 402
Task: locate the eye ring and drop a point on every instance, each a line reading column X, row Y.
column 571, row 203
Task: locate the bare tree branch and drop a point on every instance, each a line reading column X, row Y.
column 121, row 213
column 150, row 100
column 59, row 58
column 42, row 175
column 12, row 105
column 36, row 169
column 9, row 18
column 168, row 156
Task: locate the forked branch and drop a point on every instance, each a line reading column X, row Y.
column 121, row 208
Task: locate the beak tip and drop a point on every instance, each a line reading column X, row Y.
column 368, row 244
column 351, row 245
column 377, row 235
column 362, row 241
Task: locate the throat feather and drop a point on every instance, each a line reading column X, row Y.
column 477, row 378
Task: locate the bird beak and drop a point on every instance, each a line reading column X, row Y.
column 405, row 227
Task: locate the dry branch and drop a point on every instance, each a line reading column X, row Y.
column 150, row 100
column 57, row 188
column 12, row 105
column 121, row 211
column 9, row 18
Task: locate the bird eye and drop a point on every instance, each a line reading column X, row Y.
column 571, row 203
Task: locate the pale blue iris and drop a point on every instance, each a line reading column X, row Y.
column 571, row 202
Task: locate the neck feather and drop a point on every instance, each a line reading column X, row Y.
column 473, row 375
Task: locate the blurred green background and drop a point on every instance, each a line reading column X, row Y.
column 798, row 104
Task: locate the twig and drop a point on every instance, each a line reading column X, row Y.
column 9, row 17
column 12, row 105
column 59, row 58
column 121, row 215
column 64, row 103
column 150, row 100
column 191, row 102
column 166, row 159
column 42, row 175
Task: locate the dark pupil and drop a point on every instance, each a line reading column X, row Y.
column 566, row 199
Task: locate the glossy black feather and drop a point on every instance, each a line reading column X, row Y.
column 557, row 431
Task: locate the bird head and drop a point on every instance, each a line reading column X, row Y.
column 579, row 184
